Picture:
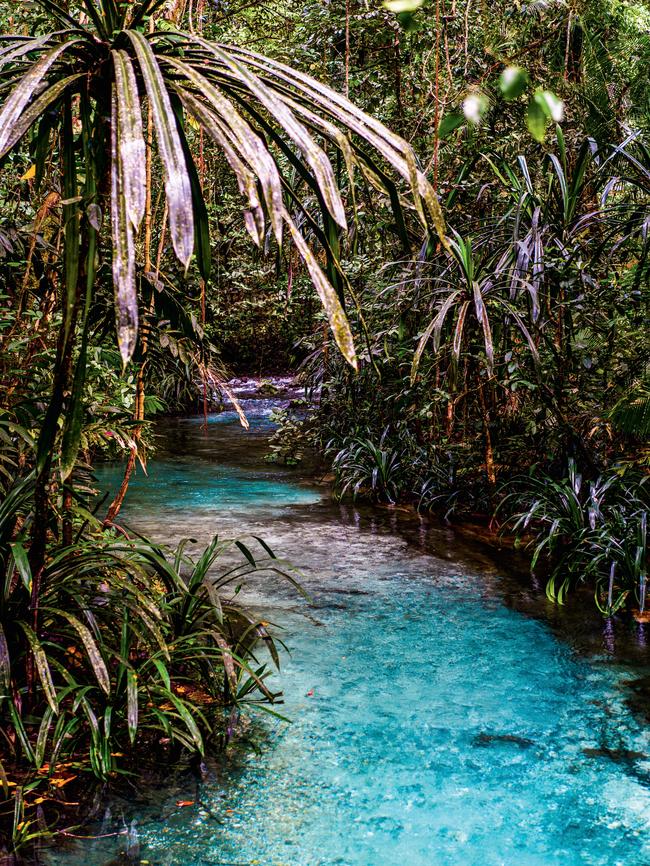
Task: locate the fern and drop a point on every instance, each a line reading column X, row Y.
column 631, row 414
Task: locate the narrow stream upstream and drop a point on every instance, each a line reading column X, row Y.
column 432, row 725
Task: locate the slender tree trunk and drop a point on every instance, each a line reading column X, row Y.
column 398, row 80
column 436, row 103
column 42, row 493
column 347, row 47
column 138, row 413
column 490, row 469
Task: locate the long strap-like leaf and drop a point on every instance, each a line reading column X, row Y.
column 95, row 657
column 484, row 319
column 126, row 299
column 335, row 314
column 245, row 178
column 284, row 116
column 18, row 49
column 202, row 247
column 130, row 143
column 177, row 182
column 75, row 415
column 58, row 12
column 245, row 141
column 434, row 327
column 42, row 667
column 26, row 89
column 36, row 109
column 393, row 148
column 5, row 664
column 71, row 214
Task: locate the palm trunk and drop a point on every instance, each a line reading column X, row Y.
column 138, row 414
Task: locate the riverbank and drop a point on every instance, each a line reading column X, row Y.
column 577, row 621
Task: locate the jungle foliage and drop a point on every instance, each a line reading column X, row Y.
column 520, row 347
column 178, row 177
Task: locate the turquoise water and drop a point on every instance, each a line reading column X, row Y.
column 173, row 484
column 431, row 724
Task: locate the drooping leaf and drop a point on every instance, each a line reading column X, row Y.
column 21, row 733
column 126, row 300
column 314, row 155
column 228, row 663
column 189, row 722
column 132, row 702
column 25, row 90
column 42, row 666
column 201, row 222
column 21, row 562
column 482, row 316
column 13, row 51
column 177, row 183
column 98, row 16
column 74, row 418
column 131, row 146
column 241, row 145
column 164, row 673
column 434, row 327
column 342, row 110
column 5, row 664
column 73, row 424
column 335, row 314
column 36, row 109
column 459, row 330
column 92, row 651
column 41, row 739
column 71, row 218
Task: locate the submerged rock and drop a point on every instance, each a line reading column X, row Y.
column 620, row 756
column 485, row 739
column 267, row 388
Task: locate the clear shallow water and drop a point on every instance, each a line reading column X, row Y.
column 172, row 484
column 432, row 725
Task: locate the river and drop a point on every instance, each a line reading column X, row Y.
column 432, row 724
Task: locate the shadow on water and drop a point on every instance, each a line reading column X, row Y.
column 436, row 716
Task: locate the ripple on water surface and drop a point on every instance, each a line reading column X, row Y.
column 432, row 726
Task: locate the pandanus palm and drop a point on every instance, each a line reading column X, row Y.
column 472, row 296
column 95, row 74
